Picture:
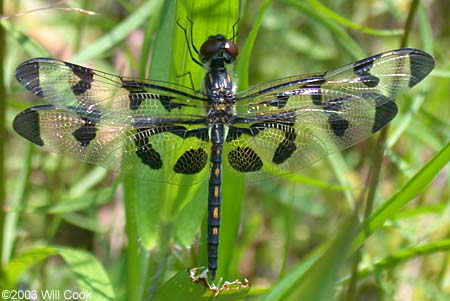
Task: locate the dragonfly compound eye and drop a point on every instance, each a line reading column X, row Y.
column 232, row 51
column 218, row 46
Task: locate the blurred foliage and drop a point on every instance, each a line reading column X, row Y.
column 294, row 232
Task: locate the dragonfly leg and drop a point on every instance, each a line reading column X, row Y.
column 190, row 42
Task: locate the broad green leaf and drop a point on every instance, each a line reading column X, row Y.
column 407, row 193
column 24, row 261
column 88, row 272
column 180, row 287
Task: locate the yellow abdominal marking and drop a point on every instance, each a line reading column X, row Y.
column 216, row 191
column 215, row 231
column 216, row 213
column 217, row 172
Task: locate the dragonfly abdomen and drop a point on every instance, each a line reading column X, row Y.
column 215, row 196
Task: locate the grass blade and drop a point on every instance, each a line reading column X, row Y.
column 407, row 193
column 120, row 32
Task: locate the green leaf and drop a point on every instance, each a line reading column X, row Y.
column 24, row 261
column 407, row 193
column 88, row 272
column 180, row 287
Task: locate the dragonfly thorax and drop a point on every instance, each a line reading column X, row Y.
column 218, row 87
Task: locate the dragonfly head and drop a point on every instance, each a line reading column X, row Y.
column 218, row 47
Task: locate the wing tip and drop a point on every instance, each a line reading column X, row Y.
column 421, row 64
column 27, row 74
column 26, row 124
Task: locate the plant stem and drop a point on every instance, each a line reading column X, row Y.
column 2, row 135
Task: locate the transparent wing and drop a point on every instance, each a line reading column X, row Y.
column 286, row 125
column 386, row 74
column 76, row 87
column 165, row 150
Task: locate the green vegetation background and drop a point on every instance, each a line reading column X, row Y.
column 67, row 225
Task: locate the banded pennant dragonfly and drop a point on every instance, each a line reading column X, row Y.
column 175, row 133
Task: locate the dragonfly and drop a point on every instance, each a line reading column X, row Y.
column 166, row 132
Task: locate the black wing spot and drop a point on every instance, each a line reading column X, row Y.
column 87, row 132
column 363, row 67
column 138, row 95
column 244, row 159
column 149, row 156
column 286, row 148
column 145, row 151
column 26, row 124
column 369, row 80
column 383, row 115
column 85, row 75
column 338, row 124
column 191, row 162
